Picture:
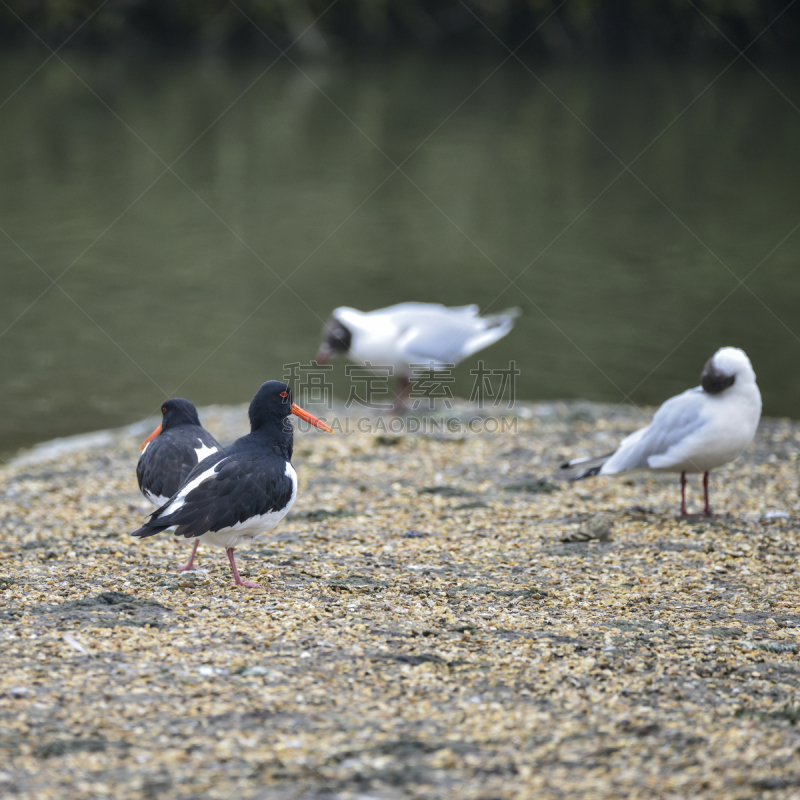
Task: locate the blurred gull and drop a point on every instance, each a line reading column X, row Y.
column 696, row 431
column 426, row 334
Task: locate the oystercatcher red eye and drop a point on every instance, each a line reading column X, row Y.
column 163, row 409
column 284, row 394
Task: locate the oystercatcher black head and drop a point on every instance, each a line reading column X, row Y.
column 240, row 492
column 176, row 411
column 273, row 404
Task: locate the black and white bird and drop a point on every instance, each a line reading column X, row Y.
column 171, row 452
column 243, row 490
column 410, row 335
column 696, row 431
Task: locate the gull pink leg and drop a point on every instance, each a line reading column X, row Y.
column 237, row 581
column 400, row 405
column 707, row 509
column 683, row 494
column 189, row 565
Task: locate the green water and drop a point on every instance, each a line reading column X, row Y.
column 201, row 218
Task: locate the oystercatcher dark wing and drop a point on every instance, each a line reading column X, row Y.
column 230, row 494
column 169, row 456
column 244, row 490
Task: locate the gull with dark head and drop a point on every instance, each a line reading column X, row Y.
column 419, row 334
column 244, row 490
column 696, row 431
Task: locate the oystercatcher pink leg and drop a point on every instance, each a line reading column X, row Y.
column 707, row 510
column 237, row 581
column 189, row 565
column 684, row 513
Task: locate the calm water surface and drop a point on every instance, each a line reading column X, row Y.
column 185, row 227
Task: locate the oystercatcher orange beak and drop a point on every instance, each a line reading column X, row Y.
column 299, row 412
column 150, row 438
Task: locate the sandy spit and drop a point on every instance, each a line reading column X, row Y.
column 440, row 618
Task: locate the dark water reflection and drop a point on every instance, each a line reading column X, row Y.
column 285, row 202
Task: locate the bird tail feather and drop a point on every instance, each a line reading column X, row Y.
column 154, row 524
column 149, row 529
column 498, row 326
column 503, row 318
column 585, row 467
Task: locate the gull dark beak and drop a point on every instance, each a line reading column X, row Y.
column 323, row 354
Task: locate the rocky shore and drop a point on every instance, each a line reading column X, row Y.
column 441, row 617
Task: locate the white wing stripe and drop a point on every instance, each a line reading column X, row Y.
column 193, row 484
column 204, row 452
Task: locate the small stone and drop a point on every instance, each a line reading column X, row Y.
column 598, row 526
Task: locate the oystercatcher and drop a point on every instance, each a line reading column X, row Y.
column 420, row 334
column 243, row 490
column 170, row 453
column 695, row 431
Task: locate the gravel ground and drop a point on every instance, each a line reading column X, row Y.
column 424, row 630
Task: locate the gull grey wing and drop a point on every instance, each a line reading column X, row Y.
column 678, row 418
column 441, row 340
column 414, row 311
column 452, row 337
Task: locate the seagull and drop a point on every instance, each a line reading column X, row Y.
column 696, row 431
column 170, row 453
column 408, row 335
column 244, row 490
